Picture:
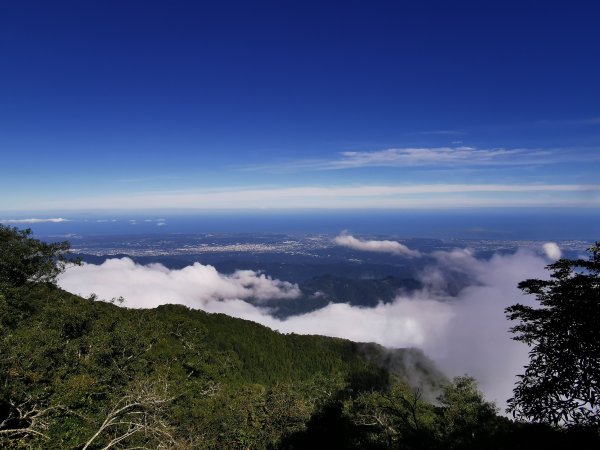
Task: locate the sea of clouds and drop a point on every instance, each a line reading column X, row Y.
column 466, row 333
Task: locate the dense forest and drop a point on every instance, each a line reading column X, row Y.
column 78, row 373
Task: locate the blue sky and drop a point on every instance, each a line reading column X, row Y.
column 136, row 105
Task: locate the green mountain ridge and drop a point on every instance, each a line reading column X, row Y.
column 61, row 349
column 202, row 380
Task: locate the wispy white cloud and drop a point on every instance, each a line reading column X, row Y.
column 348, row 197
column 383, row 246
column 441, row 156
column 35, row 220
column 429, row 157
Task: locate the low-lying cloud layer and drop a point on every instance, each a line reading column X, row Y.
column 35, row 220
column 196, row 286
column 385, row 246
column 467, row 333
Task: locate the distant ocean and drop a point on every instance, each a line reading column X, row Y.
column 536, row 224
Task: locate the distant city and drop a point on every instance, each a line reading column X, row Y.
column 317, row 245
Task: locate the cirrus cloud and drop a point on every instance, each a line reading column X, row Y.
column 432, row 156
column 348, row 197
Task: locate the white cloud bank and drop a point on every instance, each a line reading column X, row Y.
column 367, row 196
column 552, row 250
column 35, row 220
column 197, row 286
column 463, row 334
column 385, row 246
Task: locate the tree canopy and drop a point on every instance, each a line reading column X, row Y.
column 561, row 384
column 24, row 259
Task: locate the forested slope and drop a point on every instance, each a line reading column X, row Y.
column 215, row 374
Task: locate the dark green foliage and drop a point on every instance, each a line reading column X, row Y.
column 394, row 417
column 215, row 381
column 24, row 259
column 399, row 417
column 466, row 420
column 561, row 383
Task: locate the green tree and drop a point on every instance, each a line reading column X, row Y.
column 465, row 419
column 399, row 417
column 561, row 384
column 24, row 259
